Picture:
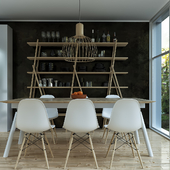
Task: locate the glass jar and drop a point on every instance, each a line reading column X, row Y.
column 56, row 83
column 50, row 82
column 44, row 82
column 40, row 83
column 90, row 83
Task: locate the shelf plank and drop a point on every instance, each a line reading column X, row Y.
column 75, row 87
column 59, row 44
column 102, row 87
column 77, row 73
column 101, row 72
column 51, row 72
column 66, row 87
column 62, row 58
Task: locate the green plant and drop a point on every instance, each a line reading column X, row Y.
column 165, row 83
column 165, row 90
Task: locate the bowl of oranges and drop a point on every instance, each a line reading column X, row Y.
column 78, row 95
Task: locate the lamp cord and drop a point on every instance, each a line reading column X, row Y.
column 79, row 11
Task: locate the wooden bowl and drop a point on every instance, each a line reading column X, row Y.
column 83, row 96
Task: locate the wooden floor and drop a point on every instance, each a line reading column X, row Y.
column 82, row 159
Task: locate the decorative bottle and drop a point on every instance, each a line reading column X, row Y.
column 92, row 37
column 114, row 37
column 108, row 37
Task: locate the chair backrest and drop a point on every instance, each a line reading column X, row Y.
column 107, row 111
column 125, row 116
column 52, row 112
column 32, row 116
column 80, row 116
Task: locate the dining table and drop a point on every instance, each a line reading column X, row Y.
column 63, row 103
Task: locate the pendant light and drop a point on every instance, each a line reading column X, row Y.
column 79, row 48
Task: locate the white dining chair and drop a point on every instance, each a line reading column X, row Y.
column 52, row 114
column 32, row 118
column 106, row 113
column 80, row 118
column 125, row 118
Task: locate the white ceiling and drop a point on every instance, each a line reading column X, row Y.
column 68, row 10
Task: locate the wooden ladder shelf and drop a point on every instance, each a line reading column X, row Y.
column 112, row 74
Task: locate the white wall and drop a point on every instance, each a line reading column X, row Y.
column 6, row 82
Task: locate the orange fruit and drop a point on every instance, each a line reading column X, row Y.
column 80, row 93
column 75, row 93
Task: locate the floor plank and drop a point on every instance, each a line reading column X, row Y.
column 82, row 159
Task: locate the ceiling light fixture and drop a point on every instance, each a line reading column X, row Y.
column 79, row 48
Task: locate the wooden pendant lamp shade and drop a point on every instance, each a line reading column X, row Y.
column 79, row 29
column 79, row 48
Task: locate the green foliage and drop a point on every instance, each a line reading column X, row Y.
column 165, row 117
column 165, row 90
column 165, row 83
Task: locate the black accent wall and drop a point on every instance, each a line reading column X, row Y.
column 137, row 65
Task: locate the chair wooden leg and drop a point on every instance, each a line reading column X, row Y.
column 131, row 145
column 20, row 152
column 113, row 152
column 45, row 153
column 137, row 151
column 49, row 145
column 106, row 136
column 55, row 132
column 104, row 122
column 94, row 155
column 110, row 144
column 27, row 145
column 52, row 122
column 54, row 128
column 104, row 132
column 52, row 131
column 68, row 153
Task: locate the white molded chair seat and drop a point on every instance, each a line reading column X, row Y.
column 106, row 113
column 52, row 112
column 32, row 118
column 125, row 118
column 80, row 118
column 80, row 112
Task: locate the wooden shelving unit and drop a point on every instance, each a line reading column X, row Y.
column 62, row 58
column 112, row 74
column 77, row 72
column 59, row 44
column 83, row 87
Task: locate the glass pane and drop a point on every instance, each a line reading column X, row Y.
column 156, row 93
column 165, row 92
column 165, row 35
column 160, row 93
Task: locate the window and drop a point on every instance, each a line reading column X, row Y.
column 159, row 72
